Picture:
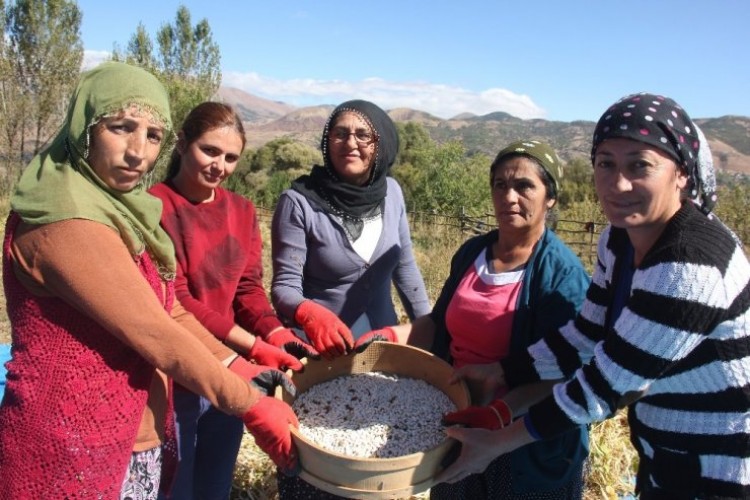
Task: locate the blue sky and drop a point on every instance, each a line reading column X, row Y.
column 554, row 59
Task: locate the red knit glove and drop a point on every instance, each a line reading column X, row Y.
column 268, row 421
column 328, row 334
column 386, row 334
column 494, row 416
column 266, row 354
column 287, row 341
column 263, row 378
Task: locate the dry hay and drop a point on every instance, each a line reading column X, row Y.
column 612, row 460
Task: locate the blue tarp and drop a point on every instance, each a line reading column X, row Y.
column 4, row 356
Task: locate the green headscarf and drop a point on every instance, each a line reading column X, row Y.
column 59, row 184
column 543, row 153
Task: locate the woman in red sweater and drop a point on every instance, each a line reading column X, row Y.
column 219, row 279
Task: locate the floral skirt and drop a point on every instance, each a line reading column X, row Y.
column 143, row 475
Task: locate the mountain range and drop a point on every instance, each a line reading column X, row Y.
column 265, row 120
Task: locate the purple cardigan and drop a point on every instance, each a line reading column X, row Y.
column 313, row 259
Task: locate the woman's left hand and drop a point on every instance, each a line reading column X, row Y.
column 495, row 415
column 479, row 447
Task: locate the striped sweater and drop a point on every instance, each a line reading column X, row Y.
column 678, row 356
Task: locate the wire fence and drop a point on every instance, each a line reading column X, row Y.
column 580, row 236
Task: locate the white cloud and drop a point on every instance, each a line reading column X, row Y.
column 92, row 58
column 444, row 101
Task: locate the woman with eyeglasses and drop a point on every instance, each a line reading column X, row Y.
column 340, row 237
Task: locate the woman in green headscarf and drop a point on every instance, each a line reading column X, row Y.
column 97, row 334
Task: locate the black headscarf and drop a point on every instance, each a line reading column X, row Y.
column 352, row 203
column 662, row 123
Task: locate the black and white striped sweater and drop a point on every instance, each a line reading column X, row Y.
column 678, row 356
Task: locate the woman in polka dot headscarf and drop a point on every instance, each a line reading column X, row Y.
column 660, row 122
column 664, row 330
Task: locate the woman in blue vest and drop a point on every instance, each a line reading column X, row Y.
column 506, row 289
column 664, row 331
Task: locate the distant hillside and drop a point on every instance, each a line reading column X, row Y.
column 412, row 115
column 489, row 133
column 303, row 125
column 252, row 108
column 729, row 136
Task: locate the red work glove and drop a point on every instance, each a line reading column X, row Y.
column 494, row 416
column 266, row 354
column 386, row 334
column 287, row 341
column 328, row 334
column 263, row 378
column 268, row 421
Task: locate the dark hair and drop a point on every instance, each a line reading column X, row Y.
column 204, row 117
column 549, row 183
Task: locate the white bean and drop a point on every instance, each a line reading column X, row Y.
column 373, row 415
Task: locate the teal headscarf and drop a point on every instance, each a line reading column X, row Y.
column 59, row 184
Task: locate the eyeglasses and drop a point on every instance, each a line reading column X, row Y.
column 363, row 137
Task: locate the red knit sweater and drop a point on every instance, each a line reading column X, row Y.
column 74, row 398
column 219, row 267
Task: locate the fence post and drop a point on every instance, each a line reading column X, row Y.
column 591, row 228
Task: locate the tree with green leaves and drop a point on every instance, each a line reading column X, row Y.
column 10, row 99
column 141, row 49
column 40, row 60
column 285, row 154
column 415, row 143
column 577, row 184
column 188, row 61
column 264, row 174
column 440, row 177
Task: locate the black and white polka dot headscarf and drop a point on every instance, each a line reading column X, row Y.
column 660, row 122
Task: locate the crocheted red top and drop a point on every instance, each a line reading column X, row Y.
column 74, row 398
